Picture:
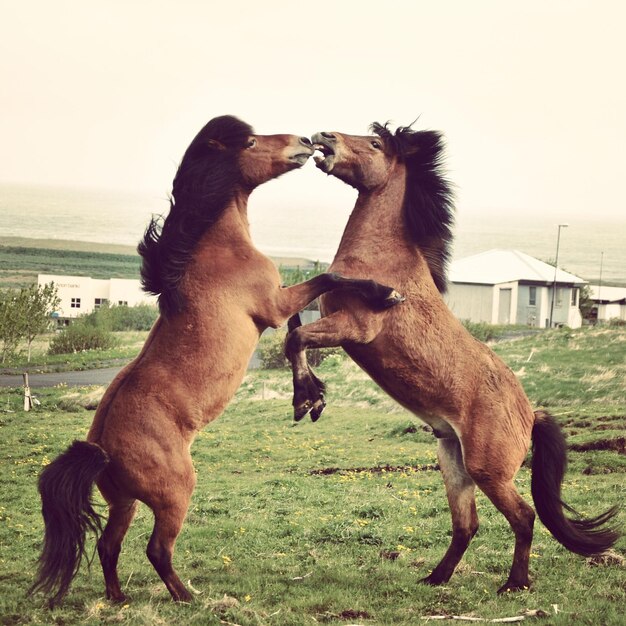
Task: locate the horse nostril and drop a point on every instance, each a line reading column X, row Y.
column 328, row 135
column 306, row 141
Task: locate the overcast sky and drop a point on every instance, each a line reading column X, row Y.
column 530, row 95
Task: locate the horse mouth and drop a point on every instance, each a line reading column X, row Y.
column 326, row 160
column 301, row 158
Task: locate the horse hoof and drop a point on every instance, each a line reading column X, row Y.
column 433, row 581
column 393, row 298
column 317, row 410
column 117, row 597
column 512, row 587
column 300, row 411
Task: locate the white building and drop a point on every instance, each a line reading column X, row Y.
column 80, row 294
column 609, row 302
column 510, row 287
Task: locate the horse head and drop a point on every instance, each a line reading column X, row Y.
column 364, row 162
column 406, row 157
column 226, row 154
column 225, row 160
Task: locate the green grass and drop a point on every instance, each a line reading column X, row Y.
column 21, row 263
column 127, row 346
column 25, row 263
column 271, row 539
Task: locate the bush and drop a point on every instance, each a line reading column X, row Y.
column 119, row 318
column 616, row 322
column 479, row 330
column 81, row 336
column 271, row 351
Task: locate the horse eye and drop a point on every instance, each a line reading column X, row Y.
column 376, row 144
column 251, row 143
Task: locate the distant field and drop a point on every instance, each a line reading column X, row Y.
column 21, row 259
column 20, row 265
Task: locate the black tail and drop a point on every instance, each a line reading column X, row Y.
column 65, row 487
column 583, row 536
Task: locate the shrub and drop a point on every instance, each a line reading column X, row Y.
column 479, row 330
column 616, row 322
column 119, row 318
column 81, row 336
column 271, row 351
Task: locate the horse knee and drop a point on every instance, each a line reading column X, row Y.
column 525, row 522
column 463, row 536
column 293, row 343
column 108, row 551
column 159, row 556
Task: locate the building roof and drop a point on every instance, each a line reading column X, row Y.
column 605, row 293
column 505, row 266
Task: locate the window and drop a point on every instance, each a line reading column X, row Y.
column 100, row 302
column 532, row 296
column 574, row 300
column 75, row 303
column 122, row 302
column 559, row 298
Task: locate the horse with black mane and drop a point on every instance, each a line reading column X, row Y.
column 423, row 357
column 217, row 293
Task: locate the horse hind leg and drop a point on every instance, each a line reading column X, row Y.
column 521, row 518
column 461, row 498
column 121, row 515
column 168, row 521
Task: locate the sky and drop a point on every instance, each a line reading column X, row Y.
column 530, row 95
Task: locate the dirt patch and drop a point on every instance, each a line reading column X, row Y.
column 617, row 444
column 379, row 469
column 610, row 557
column 352, row 614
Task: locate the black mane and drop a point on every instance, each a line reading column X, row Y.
column 203, row 186
column 428, row 200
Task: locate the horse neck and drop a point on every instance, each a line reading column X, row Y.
column 232, row 230
column 376, row 225
column 228, row 238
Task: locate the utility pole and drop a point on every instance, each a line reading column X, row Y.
column 600, row 287
column 556, row 267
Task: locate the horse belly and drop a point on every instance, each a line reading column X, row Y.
column 401, row 380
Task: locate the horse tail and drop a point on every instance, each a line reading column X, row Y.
column 68, row 511
column 583, row 536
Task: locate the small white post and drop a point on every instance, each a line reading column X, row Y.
column 28, row 399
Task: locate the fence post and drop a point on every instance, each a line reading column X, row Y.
column 28, row 399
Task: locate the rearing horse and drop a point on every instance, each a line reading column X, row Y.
column 422, row 356
column 217, row 294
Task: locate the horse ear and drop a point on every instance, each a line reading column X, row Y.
column 422, row 140
column 215, row 145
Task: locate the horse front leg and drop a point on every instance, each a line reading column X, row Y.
column 328, row 332
column 291, row 300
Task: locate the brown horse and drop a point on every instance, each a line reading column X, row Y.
column 422, row 356
column 217, row 294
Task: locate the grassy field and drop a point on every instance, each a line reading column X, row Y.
column 335, row 522
column 25, row 263
column 127, row 346
column 21, row 259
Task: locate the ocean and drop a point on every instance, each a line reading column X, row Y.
column 43, row 212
